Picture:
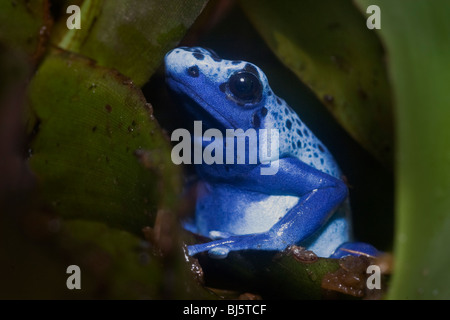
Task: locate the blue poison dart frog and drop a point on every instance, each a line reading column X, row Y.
column 304, row 203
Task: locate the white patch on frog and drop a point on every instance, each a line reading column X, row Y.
column 228, row 210
column 180, row 59
column 261, row 216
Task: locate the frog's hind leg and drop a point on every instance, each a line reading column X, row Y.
column 331, row 236
column 355, row 249
column 334, row 240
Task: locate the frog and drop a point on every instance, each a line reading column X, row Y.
column 305, row 203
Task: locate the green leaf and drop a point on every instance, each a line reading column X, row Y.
column 114, row 264
column 15, row 68
column 292, row 274
column 117, row 260
column 327, row 45
column 127, row 266
column 130, row 36
column 90, row 127
column 36, row 247
column 25, row 25
column 417, row 37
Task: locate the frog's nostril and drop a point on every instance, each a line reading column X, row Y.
column 193, row 71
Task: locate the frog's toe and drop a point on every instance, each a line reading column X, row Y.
column 355, row 249
column 194, row 249
column 216, row 235
column 218, row 252
column 215, row 252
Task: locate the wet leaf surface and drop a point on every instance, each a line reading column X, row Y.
column 295, row 273
column 87, row 124
column 288, row 275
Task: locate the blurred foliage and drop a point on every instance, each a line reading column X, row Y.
column 96, row 153
column 90, row 168
column 25, row 25
column 417, row 38
column 86, row 175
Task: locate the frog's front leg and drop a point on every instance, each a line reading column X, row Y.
column 219, row 249
column 319, row 193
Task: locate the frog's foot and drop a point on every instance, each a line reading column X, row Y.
column 355, row 249
column 219, row 249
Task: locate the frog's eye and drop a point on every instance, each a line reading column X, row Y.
column 245, row 87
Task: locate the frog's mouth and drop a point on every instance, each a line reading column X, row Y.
column 198, row 107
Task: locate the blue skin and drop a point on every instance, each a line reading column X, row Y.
column 304, row 203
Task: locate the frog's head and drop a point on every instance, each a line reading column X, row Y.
column 222, row 93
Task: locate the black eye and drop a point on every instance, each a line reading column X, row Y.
column 245, row 87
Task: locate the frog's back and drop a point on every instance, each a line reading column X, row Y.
column 296, row 139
